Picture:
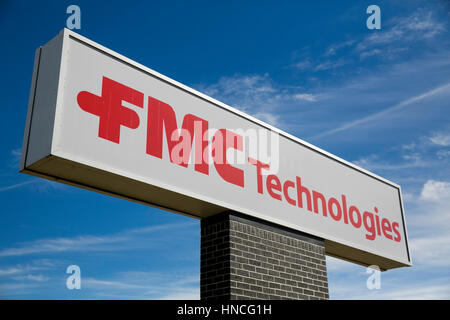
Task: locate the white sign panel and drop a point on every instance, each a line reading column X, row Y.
column 103, row 122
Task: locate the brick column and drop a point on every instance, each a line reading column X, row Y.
column 247, row 258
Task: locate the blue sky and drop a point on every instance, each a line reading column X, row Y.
column 378, row 98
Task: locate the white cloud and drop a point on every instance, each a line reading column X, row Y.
column 366, row 100
column 305, row 96
column 190, row 294
column 329, row 64
column 10, row 271
column 23, row 279
column 420, row 292
column 397, row 36
column 303, row 65
column 435, row 190
column 320, row 64
column 91, row 283
column 31, row 277
column 442, row 154
column 17, row 185
column 441, row 139
column 61, row 245
column 419, row 26
column 431, row 251
column 19, row 270
column 418, row 154
column 334, row 48
column 16, row 154
column 428, row 221
column 374, row 163
column 379, row 116
column 86, row 242
column 252, row 94
column 170, row 284
column 370, row 53
column 39, row 184
column 9, row 290
column 353, row 287
column 258, row 95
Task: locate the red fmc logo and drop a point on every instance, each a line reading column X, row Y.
column 161, row 116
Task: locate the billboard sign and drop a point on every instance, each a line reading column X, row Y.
column 103, row 122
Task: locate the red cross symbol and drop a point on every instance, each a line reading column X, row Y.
column 109, row 108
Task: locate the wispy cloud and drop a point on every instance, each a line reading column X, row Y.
column 258, row 95
column 421, row 292
column 398, row 36
column 431, row 251
column 417, row 27
column 10, row 271
column 428, row 221
column 391, row 289
column 32, row 277
column 18, row 288
column 86, row 242
column 430, row 255
column 417, row 154
column 336, row 47
column 370, row 53
column 20, row 269
column 17, row 185
column 82, row 243
column 303, row 65
column 443, row 154
column 441, row 139
column 323, row 64
column 305, row 96
column 435, row 190
column 382, row 114
column 255, row 94
column 329, row 64
column 15, row 157
column 92, row 283
column 172, row 284
column 188, row 294
column 375, row 163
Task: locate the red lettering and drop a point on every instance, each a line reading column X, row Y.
column 161, row 116
column 370, row 227
column 377, row 219
column 300, row 191
column 395, row 226
column 316, row 196
column 273, row 183
column 288, row 184
column 358, row 221
column 259, row 166
column 224, row 169
column 386, row 227
column 344, row 209
column 334, row 201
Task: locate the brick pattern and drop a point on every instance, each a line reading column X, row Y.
column 245, row 258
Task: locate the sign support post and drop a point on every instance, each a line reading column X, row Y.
column 248, row 258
